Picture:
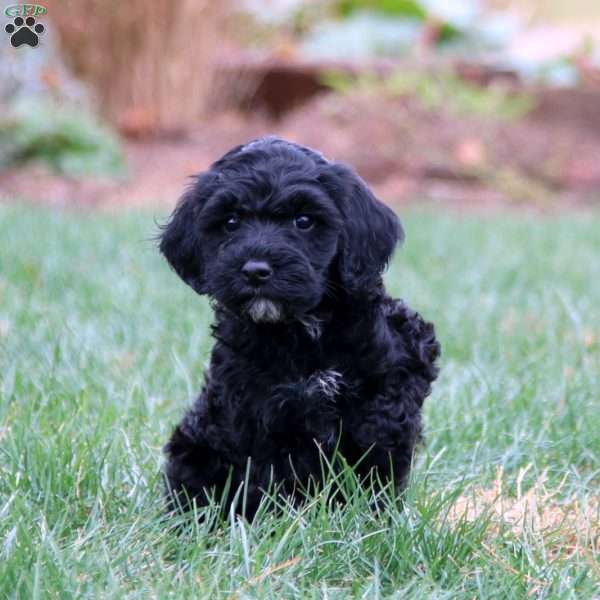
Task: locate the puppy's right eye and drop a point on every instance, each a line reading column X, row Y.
column 232, row 223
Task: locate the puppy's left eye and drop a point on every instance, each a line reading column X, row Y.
column 232, row 223
column 303, row 222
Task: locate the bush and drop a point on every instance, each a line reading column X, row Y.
column 66, row 138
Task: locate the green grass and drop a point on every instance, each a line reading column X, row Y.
column 101, row 348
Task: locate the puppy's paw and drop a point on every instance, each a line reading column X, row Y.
column 304, row 404
column 327, row 382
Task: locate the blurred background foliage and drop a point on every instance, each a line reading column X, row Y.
column 458, row 97
column 443, row 91
column 70, row 140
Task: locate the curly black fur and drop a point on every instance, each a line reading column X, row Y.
column 310, row 358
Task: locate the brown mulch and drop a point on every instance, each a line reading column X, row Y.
column 404, row 150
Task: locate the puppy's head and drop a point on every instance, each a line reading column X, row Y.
column 272, row 227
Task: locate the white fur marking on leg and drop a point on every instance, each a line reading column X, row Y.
column 329, row 382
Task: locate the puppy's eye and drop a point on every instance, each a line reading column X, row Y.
column 232, row 223
column 303, row 222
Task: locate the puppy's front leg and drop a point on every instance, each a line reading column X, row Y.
column 307, row 406
column 198, row 459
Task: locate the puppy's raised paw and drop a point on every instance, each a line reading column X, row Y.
column 328, row 382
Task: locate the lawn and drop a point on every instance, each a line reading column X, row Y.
column 102, row 347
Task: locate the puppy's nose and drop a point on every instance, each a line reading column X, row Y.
column 257, row 271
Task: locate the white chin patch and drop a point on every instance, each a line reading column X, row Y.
column 262, row 310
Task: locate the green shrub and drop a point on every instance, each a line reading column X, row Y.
column 66, row 138
column 438, row 91
column 396, row 8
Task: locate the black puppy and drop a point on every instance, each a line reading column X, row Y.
column 311, row 356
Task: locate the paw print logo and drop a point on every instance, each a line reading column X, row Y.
column 24, row 32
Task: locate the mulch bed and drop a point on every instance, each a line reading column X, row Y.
column 406, row 151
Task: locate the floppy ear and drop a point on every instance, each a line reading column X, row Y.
column 371, row 231
column 179, row 242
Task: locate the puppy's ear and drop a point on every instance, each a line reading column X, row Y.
column 371, row 231
column 179, row 241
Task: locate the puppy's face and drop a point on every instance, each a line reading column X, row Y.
column 270, row 226
column 267, row 244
